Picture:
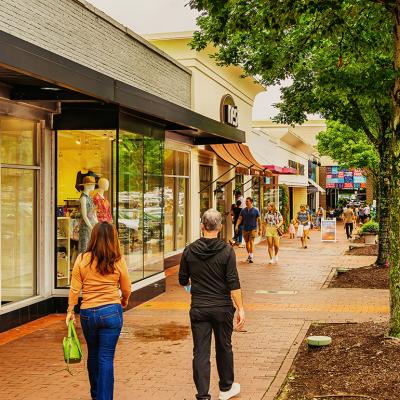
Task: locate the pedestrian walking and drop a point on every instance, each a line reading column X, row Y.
column 209, row 265
column 361, row 214
column 292, row 230
column 273, row 222
column 367, row 212
column 250, row 217
column 349, row 220
column 320, row 217
column 100, row 272
column 235, row 212
column 303, row 221
column 239, row 197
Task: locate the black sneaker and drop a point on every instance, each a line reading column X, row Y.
column 251, row 261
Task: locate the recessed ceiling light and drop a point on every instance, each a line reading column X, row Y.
column 51, row 88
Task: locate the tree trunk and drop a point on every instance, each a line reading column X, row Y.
column 394, row 237
column 392, row 144
column 383, row 212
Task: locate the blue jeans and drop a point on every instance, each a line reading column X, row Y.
column 101, row 327
column 238, row 237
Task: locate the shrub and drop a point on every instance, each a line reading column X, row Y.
column 370, row 227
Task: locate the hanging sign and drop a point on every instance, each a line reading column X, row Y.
column 328, row 230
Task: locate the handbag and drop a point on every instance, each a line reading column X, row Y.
column 280, row 231
column 300, row 231
column 72, row 346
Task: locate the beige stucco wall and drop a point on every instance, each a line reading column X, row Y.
column 209, row 81
column 299, row 197
column 78, row 31
column 209, row 84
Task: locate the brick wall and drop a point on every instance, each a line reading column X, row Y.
column 370, row 190
column 322, row 183
column 76, row 30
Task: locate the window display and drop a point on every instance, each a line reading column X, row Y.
column 20, row 170
column 84, row 164
column 118, row 178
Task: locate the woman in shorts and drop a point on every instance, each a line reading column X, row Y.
column 303, row 219
column 273, row 221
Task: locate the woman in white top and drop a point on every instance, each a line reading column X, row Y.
column 273, row 221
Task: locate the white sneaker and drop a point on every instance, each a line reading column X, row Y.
column 276, row 259
column 232, row 392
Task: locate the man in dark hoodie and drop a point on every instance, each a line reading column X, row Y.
column 209, row 265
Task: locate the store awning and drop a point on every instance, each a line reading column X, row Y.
column 240, row 155
column 313, row 187
column 34, row 75
column 281, row 170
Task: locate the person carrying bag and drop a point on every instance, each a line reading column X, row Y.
column 72, row 347
column 100, row 272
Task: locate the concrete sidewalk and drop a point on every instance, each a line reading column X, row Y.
column 154, row 355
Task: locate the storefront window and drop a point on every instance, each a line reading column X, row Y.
column 130, row 201
column 153, row 220
column 80, row 154
column 205, row 189
column 19, row 176
column 132, row 165
column 176, row 198
column 255, row 190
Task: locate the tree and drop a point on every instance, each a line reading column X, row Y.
column 343, row 57
column 352, row 149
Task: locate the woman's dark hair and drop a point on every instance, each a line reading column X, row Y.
column 104, row 248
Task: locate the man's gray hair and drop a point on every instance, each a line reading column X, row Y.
column 211, row 220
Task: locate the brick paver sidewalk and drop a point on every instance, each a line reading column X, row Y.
column 153, row 358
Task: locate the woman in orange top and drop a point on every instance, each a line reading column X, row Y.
column 100, row 273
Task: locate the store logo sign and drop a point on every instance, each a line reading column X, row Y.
column 229, row 111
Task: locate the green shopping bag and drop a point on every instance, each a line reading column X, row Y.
column 72, row 346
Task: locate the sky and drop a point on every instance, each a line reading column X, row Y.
column 157, row 16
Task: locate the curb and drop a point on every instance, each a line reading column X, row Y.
column 280, row 378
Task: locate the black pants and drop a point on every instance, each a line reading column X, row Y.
column 349, row 229
column 204, row 321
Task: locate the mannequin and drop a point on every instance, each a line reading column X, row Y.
column 83, row 172
column 103, row 207
column 88, row 213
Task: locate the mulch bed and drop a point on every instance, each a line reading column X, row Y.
column 359, row 362
column 371, row 250
column 370, row 277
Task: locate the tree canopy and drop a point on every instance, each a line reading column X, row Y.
column 350, row 148
column 338, row 53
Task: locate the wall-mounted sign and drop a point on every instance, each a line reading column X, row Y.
column 297, row 166
column 229, row 111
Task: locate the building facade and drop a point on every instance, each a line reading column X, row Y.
column 217, row 170
column 281, row 145
column 81, row 95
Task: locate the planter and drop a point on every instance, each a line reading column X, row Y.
column 370, row 238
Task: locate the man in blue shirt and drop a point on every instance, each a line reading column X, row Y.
column 250, row 216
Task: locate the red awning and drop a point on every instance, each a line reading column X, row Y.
column 281, row 170
column 240, row 155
